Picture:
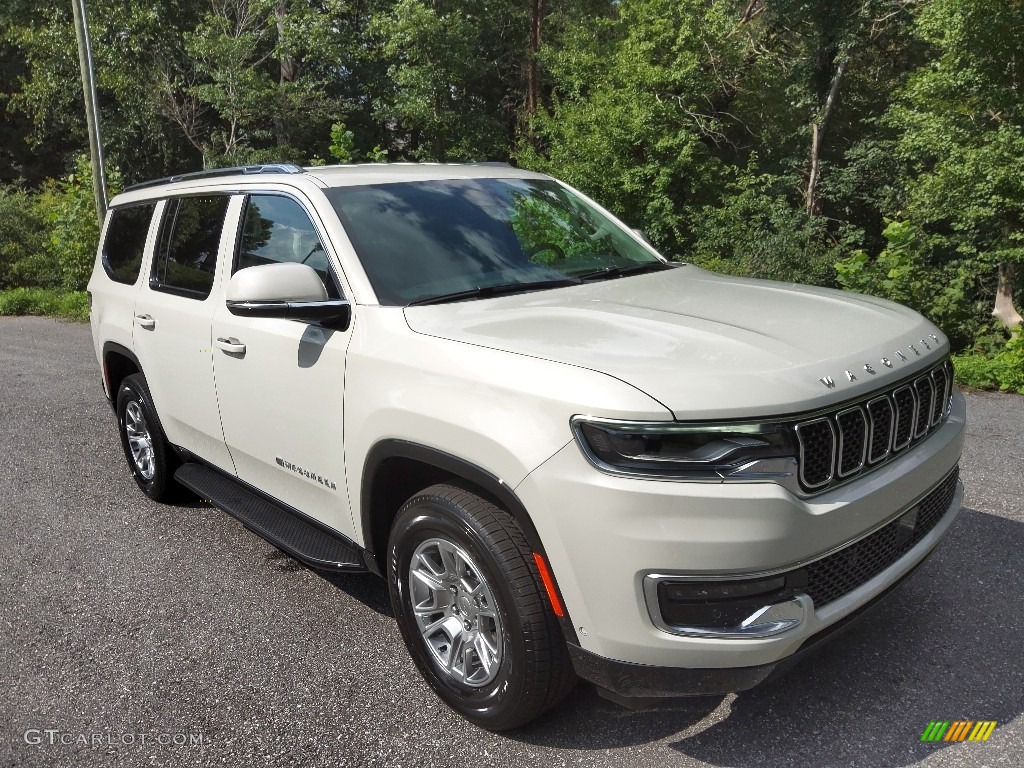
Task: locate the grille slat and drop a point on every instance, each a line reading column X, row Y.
column 905, row 410
column 852, row 440
column 817, row 451
column 880, row 415
column 925, row 394
column 842, row 572
column 838, row 445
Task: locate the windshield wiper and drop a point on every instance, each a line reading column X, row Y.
column 502, row 289
column 607, row 273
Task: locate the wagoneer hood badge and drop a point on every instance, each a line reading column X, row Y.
column 830, row 383
column 705, row 344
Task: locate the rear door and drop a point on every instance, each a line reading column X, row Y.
column 173, row 316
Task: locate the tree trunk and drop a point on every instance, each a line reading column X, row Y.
column 533, row 69
column 818, row 129
column 1004, row 309
column 532, row 66
column 289, row 74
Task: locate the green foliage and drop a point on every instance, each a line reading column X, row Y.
column 635, row 134
column 692, row 120
column 756, row 231
column 43, row 301
column 1003, row 370
column 73, row 229
column 912, row 271
column 343, row 147
column 23, row 256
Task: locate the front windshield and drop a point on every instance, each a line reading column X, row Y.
column 428, row 239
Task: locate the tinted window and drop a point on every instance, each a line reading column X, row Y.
column 419, row 240
column 189, row 241
column 125, row 243
column 277, row 229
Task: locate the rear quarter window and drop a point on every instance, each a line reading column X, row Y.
column 125, row 242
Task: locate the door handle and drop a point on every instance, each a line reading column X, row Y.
column 146, row 321
column 232, row 345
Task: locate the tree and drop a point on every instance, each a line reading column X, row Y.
column 961, row 120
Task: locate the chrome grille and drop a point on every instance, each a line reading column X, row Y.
column 840, row 445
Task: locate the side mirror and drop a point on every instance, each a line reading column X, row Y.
column 287, row 291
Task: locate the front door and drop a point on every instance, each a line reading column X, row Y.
column 280, row 383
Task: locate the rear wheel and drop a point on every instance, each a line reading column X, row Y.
column 146, row 449
column 472, row 611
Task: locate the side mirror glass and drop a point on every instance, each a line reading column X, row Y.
column 287, row 291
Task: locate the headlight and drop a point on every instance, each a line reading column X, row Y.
column 688, row 451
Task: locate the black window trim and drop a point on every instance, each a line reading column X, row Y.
column 154, row 204
column 324, row 241
column 155, row 283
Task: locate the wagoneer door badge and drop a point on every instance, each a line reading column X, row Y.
column 306, row 473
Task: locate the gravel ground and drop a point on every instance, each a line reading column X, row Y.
column 133, row 633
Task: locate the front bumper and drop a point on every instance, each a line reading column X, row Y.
column 605, row 537
column 640, row 681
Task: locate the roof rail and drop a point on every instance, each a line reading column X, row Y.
column 213, row 173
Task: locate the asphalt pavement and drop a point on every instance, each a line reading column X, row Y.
column 134, row 633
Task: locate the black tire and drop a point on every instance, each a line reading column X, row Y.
column 534, row 671
column 155, row 472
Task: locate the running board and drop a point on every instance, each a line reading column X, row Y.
column 287, row 530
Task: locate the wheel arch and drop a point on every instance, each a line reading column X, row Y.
column 396, row 469
column 118, row 363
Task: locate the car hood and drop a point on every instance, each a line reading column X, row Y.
column 705, row 345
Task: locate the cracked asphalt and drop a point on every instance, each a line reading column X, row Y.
column 136, row 634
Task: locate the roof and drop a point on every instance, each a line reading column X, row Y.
column 322, row 175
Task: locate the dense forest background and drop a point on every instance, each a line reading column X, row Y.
column 876, row 145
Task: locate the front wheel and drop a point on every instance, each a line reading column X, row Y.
column 472, row 611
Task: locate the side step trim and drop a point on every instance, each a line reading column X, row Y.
column 286, row 529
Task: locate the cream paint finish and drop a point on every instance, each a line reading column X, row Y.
column 283, row 398
column 176, row 355
column 113, row 304
column 707, row 346
column 505, row 413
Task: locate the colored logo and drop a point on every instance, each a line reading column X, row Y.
column 958, row 730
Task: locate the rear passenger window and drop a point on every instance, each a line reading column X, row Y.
column 277, row 229
column 186, row 258
column 125, row 243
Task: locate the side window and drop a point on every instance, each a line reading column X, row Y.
column 277, row 229
column 125, row 243
column 186, row 259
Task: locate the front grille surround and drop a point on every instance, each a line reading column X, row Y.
column 866, row 434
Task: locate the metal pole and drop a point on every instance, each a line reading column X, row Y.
column 92, row 110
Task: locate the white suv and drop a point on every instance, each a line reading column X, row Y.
column 568, row 456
